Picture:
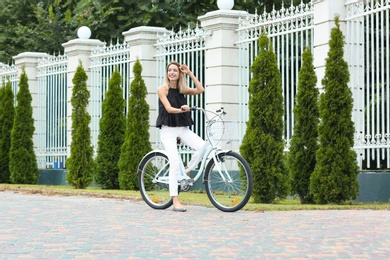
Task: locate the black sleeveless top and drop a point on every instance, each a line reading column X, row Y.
column 169, row 119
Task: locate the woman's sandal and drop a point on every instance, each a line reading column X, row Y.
column 179, row 209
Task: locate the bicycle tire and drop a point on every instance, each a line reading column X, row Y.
column 233, row 195
column 155, row 194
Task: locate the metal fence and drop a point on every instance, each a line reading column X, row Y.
column 368, row 54
column 51, row 120
column 290, row 30
column 185, row 47
column 9, row 73
column 104, row 61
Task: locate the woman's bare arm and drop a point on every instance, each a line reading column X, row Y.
column 162, row 94
column 198, row 86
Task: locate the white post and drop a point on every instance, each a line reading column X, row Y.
column 223, row 65
column 354, row 53
column 142, row 40
column 222, row 62
column 77, row 50
column 29, row 60
column 324, row 14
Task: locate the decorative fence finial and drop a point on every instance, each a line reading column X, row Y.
column 84, row 32
column 225, row 4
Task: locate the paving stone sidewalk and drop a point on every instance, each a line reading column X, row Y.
column 74, row 227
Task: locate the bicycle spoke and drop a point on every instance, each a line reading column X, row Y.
column 229, row 182
column 153, row 190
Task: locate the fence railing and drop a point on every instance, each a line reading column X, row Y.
column 10, row 73
column 104, row 61
column 368, row 56
column 290, row 30
column 185, row 47
column 51, row 119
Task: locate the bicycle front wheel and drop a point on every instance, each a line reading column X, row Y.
column 228, row 181
column 153, row 174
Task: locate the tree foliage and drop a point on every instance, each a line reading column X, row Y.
column 304, row 142
column 7, row 112
column 111, row 134
column 23, row 163
column 334, row 179
column 80, row 164
column 136, row 143
column 262, row 144
column 32, row 25
column 43, row 25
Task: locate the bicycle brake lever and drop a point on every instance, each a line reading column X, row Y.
column 221, row 110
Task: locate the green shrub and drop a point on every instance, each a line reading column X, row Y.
column 111, row 134
column 23, row 162
column 262, row 144
column 136, row 143
column 334, row 179
column 80, row 164
column 7, row 112
column 304, row 142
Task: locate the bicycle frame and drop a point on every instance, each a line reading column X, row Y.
column 227, row 177
column 202, row 156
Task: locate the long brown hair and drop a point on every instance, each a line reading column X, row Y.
column 181, row 81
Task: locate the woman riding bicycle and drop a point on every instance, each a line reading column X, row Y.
column 174, row 120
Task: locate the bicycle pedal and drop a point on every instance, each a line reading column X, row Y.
column 185, row 185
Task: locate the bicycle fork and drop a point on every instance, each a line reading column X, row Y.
column 221, row 168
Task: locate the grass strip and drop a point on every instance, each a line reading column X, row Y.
column 198, row 198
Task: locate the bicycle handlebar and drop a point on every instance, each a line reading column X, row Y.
column 218, row 111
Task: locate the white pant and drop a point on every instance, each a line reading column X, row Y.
column 169, row 139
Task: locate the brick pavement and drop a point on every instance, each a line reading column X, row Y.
column 74, row 227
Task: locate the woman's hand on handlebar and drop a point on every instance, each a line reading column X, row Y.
column 185, row 108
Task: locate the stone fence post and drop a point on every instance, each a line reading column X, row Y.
column 324, row 14
column 29, row 60
column 141, row 41
column 222, row 60
column 77, row 50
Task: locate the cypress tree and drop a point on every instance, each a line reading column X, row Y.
column 262, row 145
column 23, row 162
column 136, row 143
column 3, row 170
column 304, row 142
column 111, row 135
column 7, row 112
column 80, row 164
column 334, row 179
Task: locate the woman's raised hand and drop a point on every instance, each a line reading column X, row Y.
column 184, row 69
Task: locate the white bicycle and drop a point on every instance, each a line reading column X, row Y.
column 227, row 176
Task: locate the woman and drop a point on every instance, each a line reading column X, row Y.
column 174, row 119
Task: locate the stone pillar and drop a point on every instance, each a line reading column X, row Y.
column 223, row 64
column 77, row 50
column 324, row 14
column 142, row 40
column 29, row 61
column 222, row 61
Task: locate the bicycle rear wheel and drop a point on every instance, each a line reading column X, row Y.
column 229, row 188
column 153, row 175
